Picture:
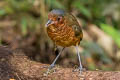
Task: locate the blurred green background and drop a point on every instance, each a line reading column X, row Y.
column 22, row 27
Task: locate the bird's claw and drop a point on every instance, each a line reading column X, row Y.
column 51, row 66
column 49, row 70
column 44, row 66
column 79, row 69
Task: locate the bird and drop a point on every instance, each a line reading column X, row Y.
column 64, row 30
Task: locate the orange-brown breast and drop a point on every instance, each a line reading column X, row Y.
column 62, row 35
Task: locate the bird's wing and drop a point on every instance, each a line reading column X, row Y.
column 72, row 22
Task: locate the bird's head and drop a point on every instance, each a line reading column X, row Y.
column 55, row 17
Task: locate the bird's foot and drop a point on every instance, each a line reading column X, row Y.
column 51, row 66
column 44, row 66
column 50, row 70
column 79, row 69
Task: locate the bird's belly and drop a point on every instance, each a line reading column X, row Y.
column 64, row 37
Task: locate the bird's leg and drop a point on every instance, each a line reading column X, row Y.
column 80, row 67
column 55, row 49
column 53, row 64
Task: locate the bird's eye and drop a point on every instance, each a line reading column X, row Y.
column 58, row 18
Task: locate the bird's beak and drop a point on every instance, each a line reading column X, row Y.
column 48, row 23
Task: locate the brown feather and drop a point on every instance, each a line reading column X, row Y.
column 66, row 33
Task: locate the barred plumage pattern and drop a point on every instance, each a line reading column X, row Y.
column 66, row 33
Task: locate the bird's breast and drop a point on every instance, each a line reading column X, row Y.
column 62, row 35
